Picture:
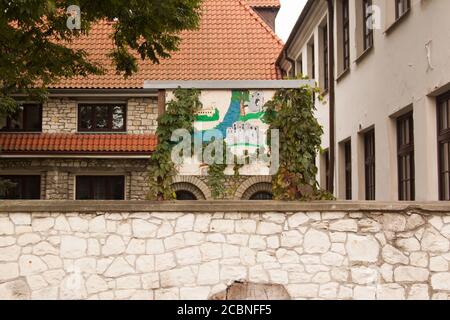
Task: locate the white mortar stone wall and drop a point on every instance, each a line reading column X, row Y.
column 142, row 116
column 61, row 116
column 154, row 255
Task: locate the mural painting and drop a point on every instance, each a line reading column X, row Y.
column 238, row 116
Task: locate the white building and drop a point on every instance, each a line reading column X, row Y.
column 392, row 94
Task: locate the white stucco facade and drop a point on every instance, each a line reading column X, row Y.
column 406, row 69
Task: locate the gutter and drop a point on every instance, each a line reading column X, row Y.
column 99, row 93
column 297, row 27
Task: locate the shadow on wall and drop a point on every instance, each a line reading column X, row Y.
column 253, row 291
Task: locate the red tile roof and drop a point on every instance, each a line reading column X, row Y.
column 51, row 143
column 264, row 3
column 232, row 43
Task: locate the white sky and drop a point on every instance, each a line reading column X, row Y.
column 287, row 17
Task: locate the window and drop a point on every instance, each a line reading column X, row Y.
column 100, row 188
column 405, row 143
column 101, row 117
column 401, row 7
column 25, row 188
column 367, row 24
column 28, row 118
column 369, row 164
column 312, row 60
column 184, row 195
column 325, row 57
column 346, row 34
column 443, row 114
column 262, row 195
column 326, row 157
column 348, row 169
column 299, row 65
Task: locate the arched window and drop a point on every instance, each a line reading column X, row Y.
column 184, row 195
column 262, row 195
column 259, row 191
column 185, row 191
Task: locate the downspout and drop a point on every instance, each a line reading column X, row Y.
column 331, row 94
column 290, row 60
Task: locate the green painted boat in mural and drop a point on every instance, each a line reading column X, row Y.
column 208, row 117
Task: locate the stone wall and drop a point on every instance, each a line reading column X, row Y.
column 58, row 175
column 61, row 116
column 129, row 250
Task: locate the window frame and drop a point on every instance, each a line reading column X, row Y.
column 23, row 178
column 367, row 32
column 348, row 169
column 370, row 165
column 399, row 14
column 24, row 120
column 326, row 75
column 443, row 137
column 346, row 34
column 405, row 152
column 108, row 192
column 109, row 120
column 326, row 156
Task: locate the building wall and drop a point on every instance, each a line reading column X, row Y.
column 61, row 115
column 397, row 74
column 393, row 76
column 58, row 175
column 110, row 250
column 58, row 178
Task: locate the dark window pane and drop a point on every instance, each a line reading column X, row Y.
column 24, row 188
column 262, row 195
column 32, row 118
column 348, row 170
column 27, row 118
column 85, row 117
column 185, row 195
column 401, row 7
column 443, row 114
column 369, row 155
column 326, row 156
column 101, row 118
column 100, row 188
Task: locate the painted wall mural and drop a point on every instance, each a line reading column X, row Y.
column 238, row 116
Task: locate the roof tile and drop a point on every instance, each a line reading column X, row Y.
column 232, row 43
column 42, row 143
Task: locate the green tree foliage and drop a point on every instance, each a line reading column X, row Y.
column 291, row 111
column 35, row 40
column 180, row 114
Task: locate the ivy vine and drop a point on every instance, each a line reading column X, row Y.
column 291, row 111
column 180, row 114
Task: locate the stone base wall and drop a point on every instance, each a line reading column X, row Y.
column 58, row 175
column 124, row 250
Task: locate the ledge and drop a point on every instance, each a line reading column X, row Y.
column 218, row 206
column 394, row 24
column 364, row 54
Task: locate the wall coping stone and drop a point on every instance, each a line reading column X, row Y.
column 220, row 206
